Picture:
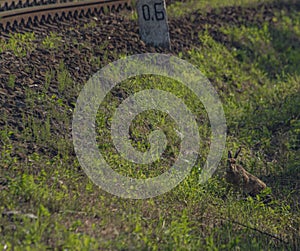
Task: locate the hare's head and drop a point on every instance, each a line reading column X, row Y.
column 232, row 160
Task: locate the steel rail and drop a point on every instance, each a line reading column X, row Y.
column 17, row 4
column 25, row 16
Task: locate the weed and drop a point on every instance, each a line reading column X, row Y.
column 11, row 81
column 63, row 77
column 52, row 41
column 20, row 44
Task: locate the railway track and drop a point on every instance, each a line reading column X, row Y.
column 25, row 13
column 6, row 5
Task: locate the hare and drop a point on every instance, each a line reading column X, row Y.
column 240, row 178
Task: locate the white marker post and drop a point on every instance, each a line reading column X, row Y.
column 153, row 23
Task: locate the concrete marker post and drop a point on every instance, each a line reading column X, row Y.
column 153, row 23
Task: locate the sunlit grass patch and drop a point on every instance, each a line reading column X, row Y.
column 178, row 9
column 19, row 44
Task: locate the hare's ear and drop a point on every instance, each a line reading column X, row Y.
column 229, row 154
column 237, row 152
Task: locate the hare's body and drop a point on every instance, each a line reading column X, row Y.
column 240, row 178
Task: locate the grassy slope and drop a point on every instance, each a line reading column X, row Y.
column 257, row 77
column 182, row 7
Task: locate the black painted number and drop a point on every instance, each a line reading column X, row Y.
column 159, row 15
column 146, row 12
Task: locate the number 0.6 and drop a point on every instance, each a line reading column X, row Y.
column 159, row 15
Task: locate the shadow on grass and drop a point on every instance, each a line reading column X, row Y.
column 286, row 43
column 275, row 127
column 278, row 58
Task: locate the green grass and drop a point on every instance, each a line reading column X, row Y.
column 181, row 8
column 52, row 41
column 256, row 74
column 19, row 43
